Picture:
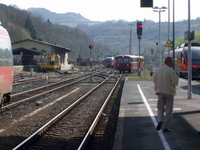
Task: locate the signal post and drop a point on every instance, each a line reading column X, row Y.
column 90, row 47
column 139, row 33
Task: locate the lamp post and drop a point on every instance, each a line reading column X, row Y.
column 168, row 25
column 130, row 38
column 159, row 9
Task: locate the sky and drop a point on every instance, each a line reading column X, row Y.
column 105, row 10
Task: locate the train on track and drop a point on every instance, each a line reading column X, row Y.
column 128, row 63
column 6, row 67
column 109, row 62
column 79, row 61
column 181, row 53
column 85, row 62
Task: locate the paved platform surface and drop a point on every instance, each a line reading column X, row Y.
column 138, row 119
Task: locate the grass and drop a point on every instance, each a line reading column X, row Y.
column 142, row 75
column 114, row 97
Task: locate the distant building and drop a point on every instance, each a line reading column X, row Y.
column 34, row 52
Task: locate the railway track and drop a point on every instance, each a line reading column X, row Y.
column 35, row 93
column 70, row 127
column 32, row 80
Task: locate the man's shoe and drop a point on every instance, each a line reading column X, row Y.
column 159, row 125
column 167, row 130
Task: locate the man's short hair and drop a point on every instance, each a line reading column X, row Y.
column 168, row 59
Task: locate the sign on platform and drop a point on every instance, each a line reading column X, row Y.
column 189, row 35
column 168, row 44
column 140, row 61
column 178, row 60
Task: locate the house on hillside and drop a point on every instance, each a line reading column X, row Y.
column 32, row 53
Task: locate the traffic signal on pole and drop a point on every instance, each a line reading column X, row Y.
column 90, row 46
column 146, row 3
column 139, row 28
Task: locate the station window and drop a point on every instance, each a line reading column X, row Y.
column 43, row 51
column 34, row 48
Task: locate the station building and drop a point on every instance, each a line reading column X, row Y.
column 30, row 53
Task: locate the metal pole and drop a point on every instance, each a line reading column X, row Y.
column 140, row 68
column 156, row 51
column 90, row 65
column 139, row 62
column 159, row 41
column 168, row 25
column 99, row 61
column 189, row 56
column 160, row 10
column 32, row 72
column 173, row 38
column 145, row 63
column 139, row 58
column 130, row 38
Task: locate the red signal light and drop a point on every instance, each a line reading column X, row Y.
column 139, row 29
column 90, row 46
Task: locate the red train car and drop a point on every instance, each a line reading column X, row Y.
column 182, row 54
column 109, row 62
column 128, row 63
column 6, row 66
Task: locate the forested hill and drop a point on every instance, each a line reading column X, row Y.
column 70, row 18
column 22, row 25
column 116, row 34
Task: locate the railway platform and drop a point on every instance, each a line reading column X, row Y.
column 137, row 120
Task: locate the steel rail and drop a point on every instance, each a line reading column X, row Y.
column 13, row 95
column 92, row 127
column 26, row 81
column 17, row 94
column 56, row 118
column 35, row 96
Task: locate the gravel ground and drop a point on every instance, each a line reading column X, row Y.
column 106, row 141
column 18, row 127
column 109, row 120
column 105, row 132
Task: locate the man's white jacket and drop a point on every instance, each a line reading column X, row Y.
column 165, row 80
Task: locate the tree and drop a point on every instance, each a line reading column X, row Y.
column 181, row 40
column 49, row 22
column 29, row 26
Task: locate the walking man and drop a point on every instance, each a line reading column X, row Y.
column 165, row 81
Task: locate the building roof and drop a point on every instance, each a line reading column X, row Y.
column 25, row 51
column 41, row 42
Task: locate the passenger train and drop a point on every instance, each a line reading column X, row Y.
column 128, row 63
column 6, row 67
column 109, row 62
column 182, row 53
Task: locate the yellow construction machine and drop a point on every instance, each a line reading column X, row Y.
column 53, row 63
